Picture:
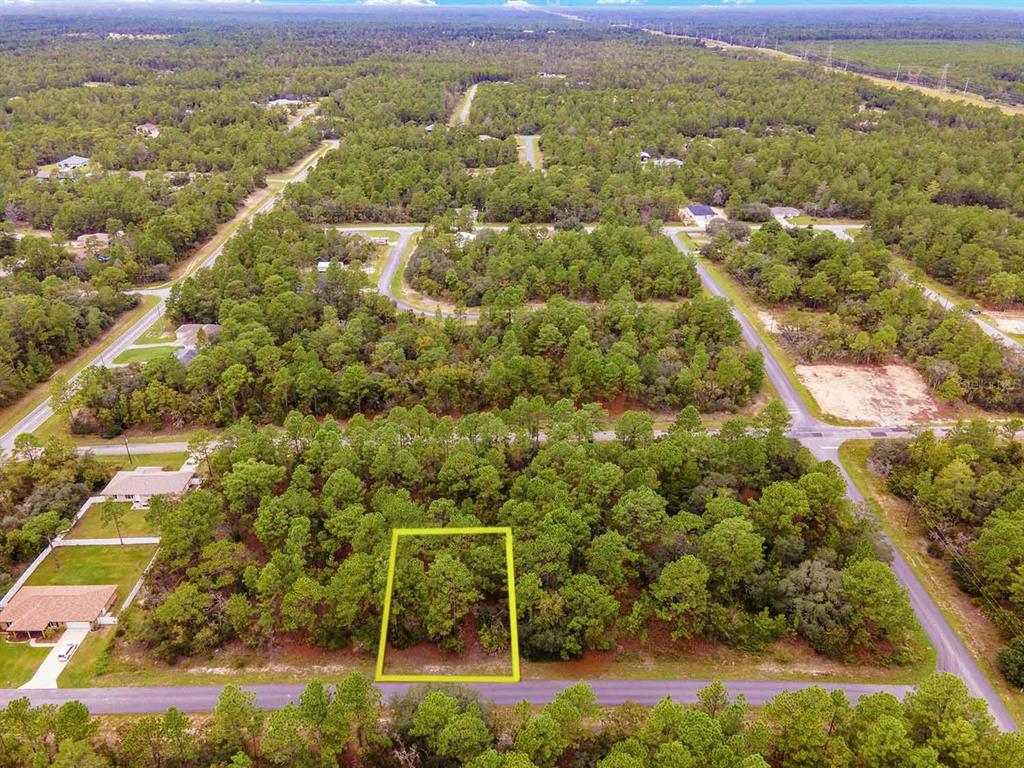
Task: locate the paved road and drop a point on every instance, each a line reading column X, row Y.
column 823, row 439
column 802, row 418
column 461, row 117
column 42, row 412
column 201, row 698
column 989, row 330
column 531, row 148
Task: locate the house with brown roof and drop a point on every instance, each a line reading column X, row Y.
column 142, row 484
column 35, row 610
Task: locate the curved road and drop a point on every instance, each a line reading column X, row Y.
column 821, row 438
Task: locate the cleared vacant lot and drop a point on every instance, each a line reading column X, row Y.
column 882, row 394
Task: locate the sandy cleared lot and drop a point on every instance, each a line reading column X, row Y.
column 1008, row 322
column 881, row 394
column 768, row 321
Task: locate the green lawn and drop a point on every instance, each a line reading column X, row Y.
column 95, row 565
column 686, row 240
column 159, row 333
column 144, row 354
column 86, row 664
column 132, row 523
column 390, row 234
column 18, row 662
column 166, row 461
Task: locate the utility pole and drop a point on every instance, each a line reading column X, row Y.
column 127, row 450
column 944, row 80
column 966, row 84
column 898, row 73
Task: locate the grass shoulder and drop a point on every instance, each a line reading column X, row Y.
column 738, row 296
column 898, row 520
column 12, row 414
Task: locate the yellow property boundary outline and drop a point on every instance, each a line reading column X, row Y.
column 396, row 533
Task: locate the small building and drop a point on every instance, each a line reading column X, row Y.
column 429, row 128
column 286, row 103
column 35, row 610
column 658, row 162
column 188, row 334
column 89, row 243
column 151, row 130
column 143, row 483
column 73, row 163
column 701, row 214
column 784, row 213
column 43, row 174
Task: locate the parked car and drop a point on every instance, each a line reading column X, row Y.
column 65, row 654
column 974, row 311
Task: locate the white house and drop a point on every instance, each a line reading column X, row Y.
column 143, row 483
column 73, row 163
column 701, row 214
column 284, row 103
column 783, row 213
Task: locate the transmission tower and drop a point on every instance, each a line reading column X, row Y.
column 965, row 85
column 944, row 80
column 828, row 58
column 898, row 72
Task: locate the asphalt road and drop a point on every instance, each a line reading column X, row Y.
column 822, row 439
column 201, row 698
column 531, row 145
column 42, row 412
column 989, row 330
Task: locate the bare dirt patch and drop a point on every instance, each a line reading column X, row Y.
column 880, row 394
column 768, row 321
column 1008, row 322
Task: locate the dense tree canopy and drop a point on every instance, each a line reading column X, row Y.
column 473, row 270
column 968, row 491
column 938, row 725
column 292, row 339
column 851, row 304
column 741, row 537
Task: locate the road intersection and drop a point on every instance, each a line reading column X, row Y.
column 821, row 438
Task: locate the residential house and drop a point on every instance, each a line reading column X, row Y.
column 73, row 163
column 143, row 483
column 783, row 213
column 151, row 130
column 33, row 611
column 187, row 336
column 701, row 214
